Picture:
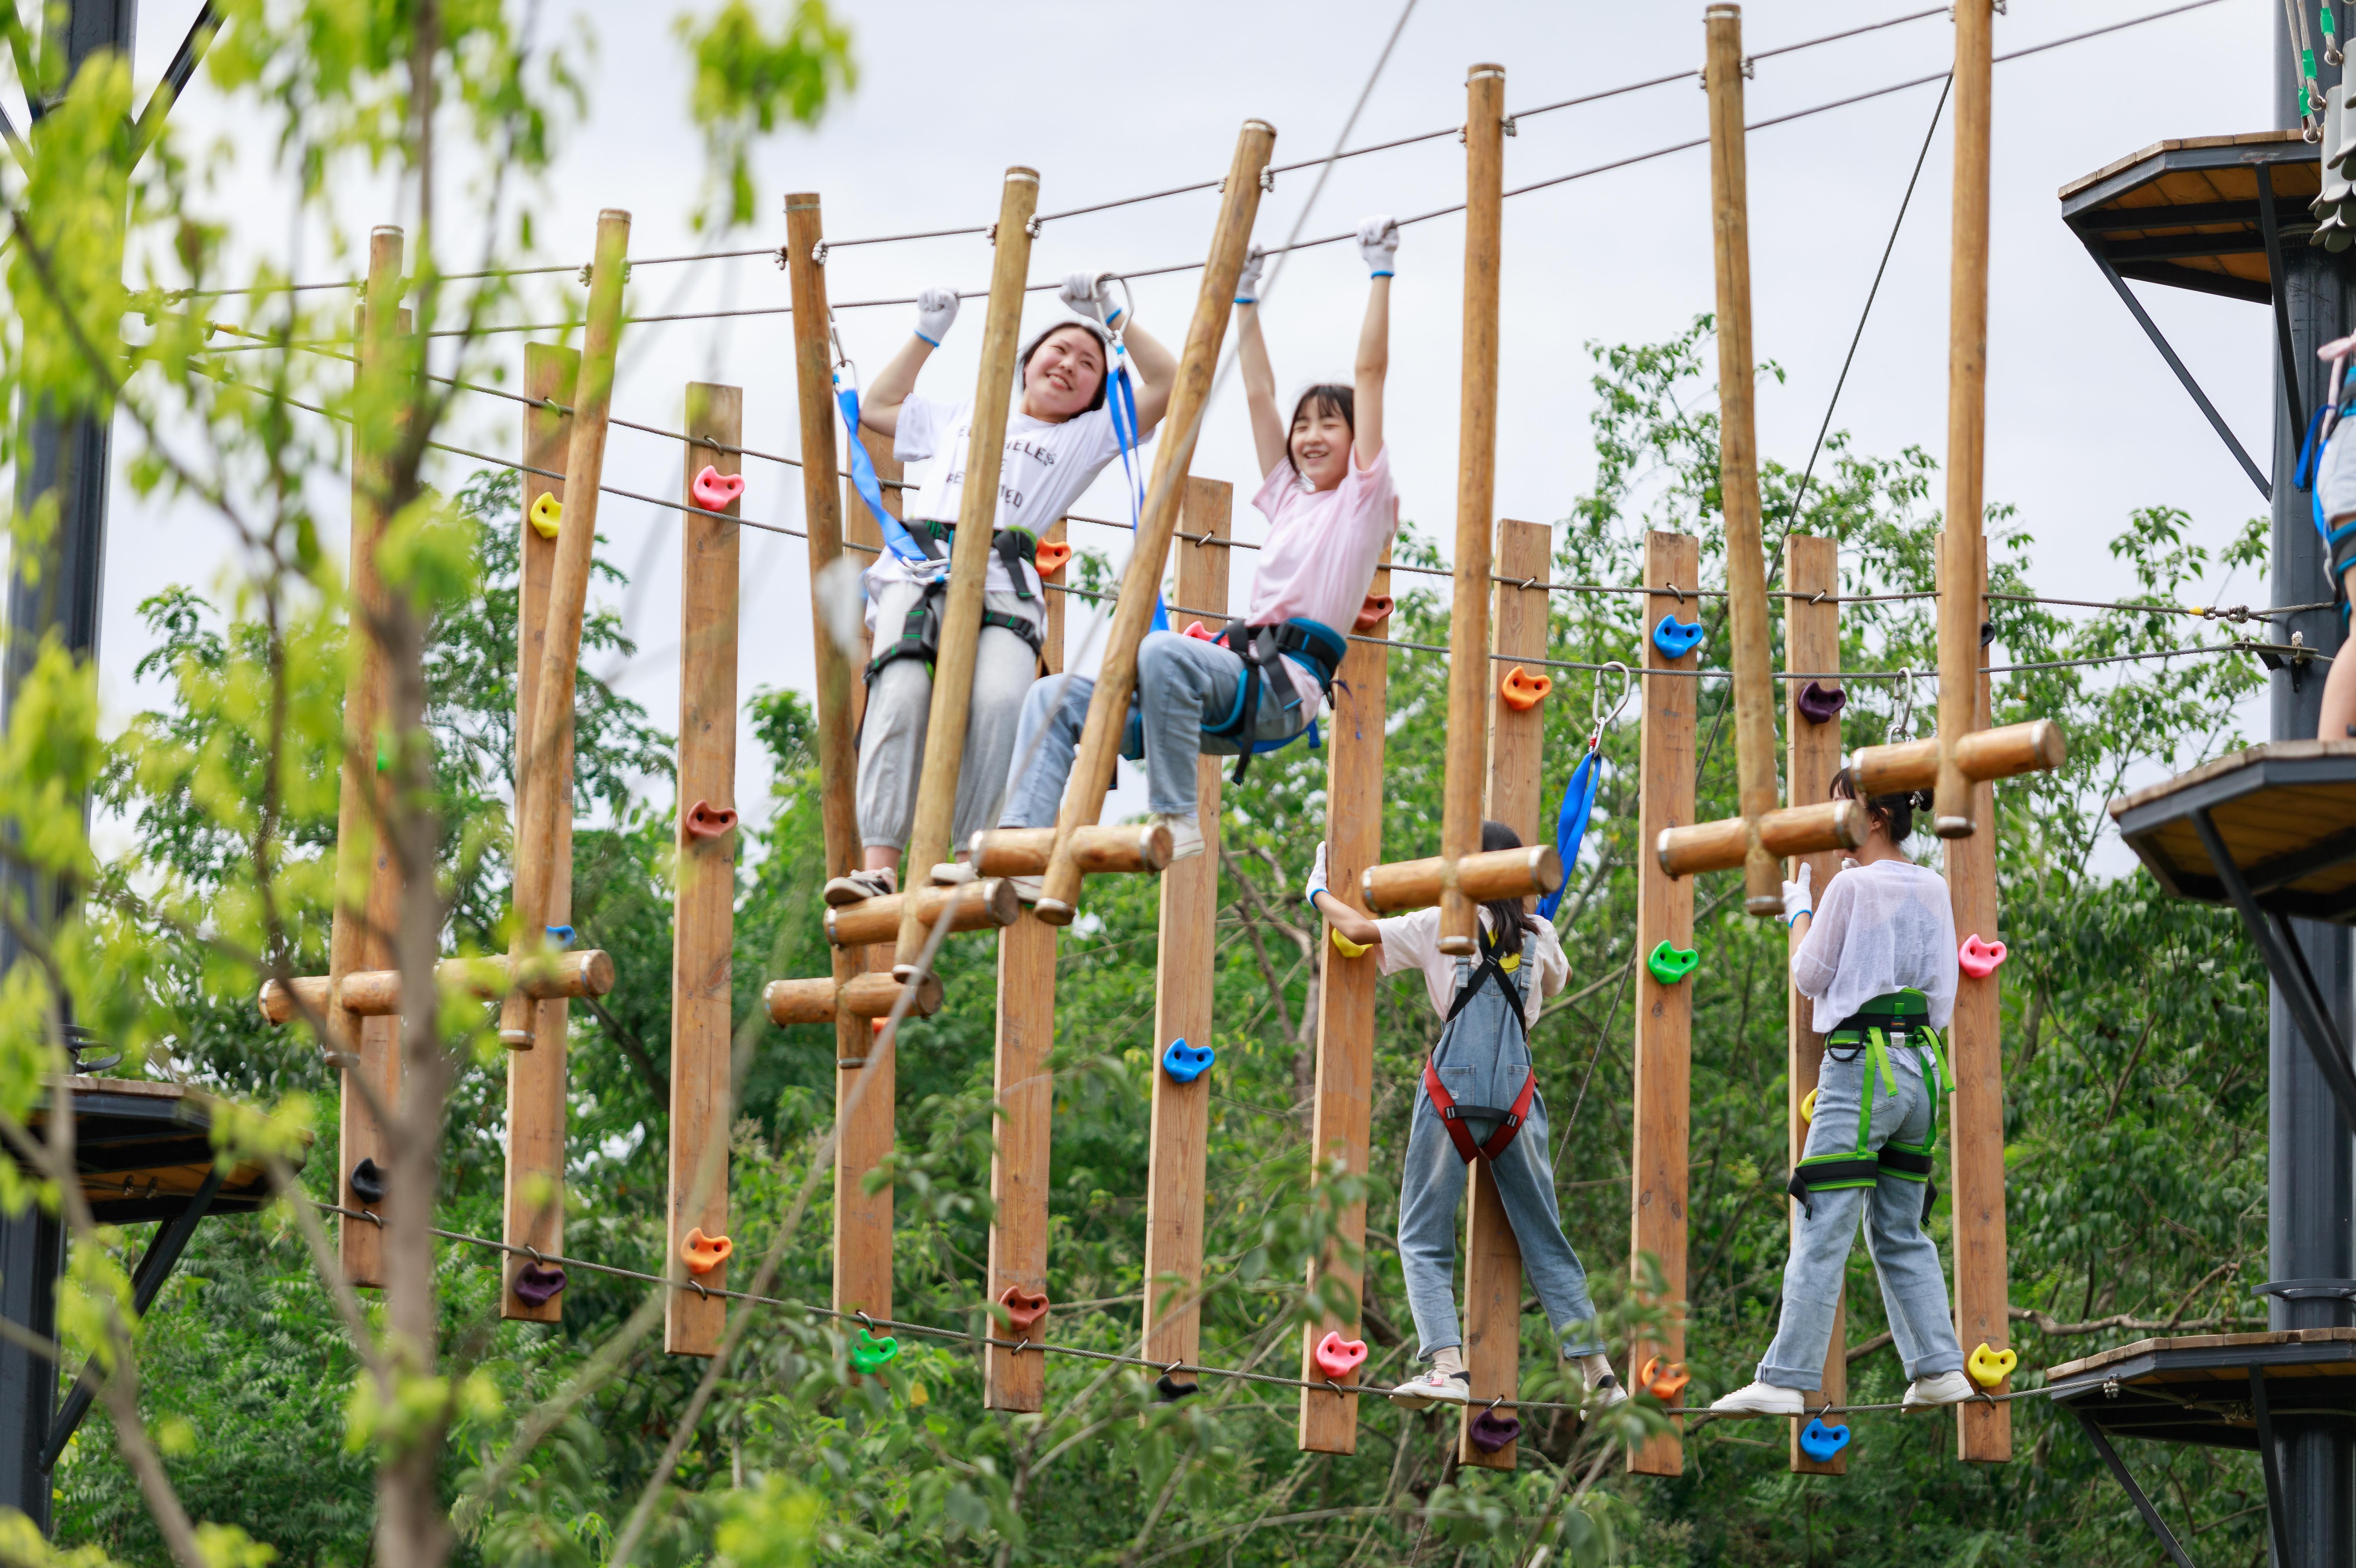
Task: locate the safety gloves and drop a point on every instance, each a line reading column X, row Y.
column 1797, row 899
column 937, row 311
column 1379, row 244
column 1247, row 282
column 1090, row 294
column 1316, row 878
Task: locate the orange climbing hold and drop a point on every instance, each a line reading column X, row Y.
column 1372, row 614
column 1664, row 1383
column 1024, row 1309
column 704, row 1253
column 1523, row 690
column 1052, row 557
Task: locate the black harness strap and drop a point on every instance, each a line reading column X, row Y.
column 1452, row 1115
column 1262, row 648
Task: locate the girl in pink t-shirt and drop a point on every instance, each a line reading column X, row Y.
column 1331, row 510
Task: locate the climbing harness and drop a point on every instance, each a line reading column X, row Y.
column 1579, row 795
column 1901, row 1019
column 1314, row 646
column 920, row 631
column 1469, row 984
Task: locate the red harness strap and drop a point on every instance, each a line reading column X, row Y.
column 1461, row 1136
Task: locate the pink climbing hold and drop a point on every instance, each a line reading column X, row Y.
column 1195, row 629
column 1338, row 1357
column 1978, row 958
column 716, row 491
column 706, row 821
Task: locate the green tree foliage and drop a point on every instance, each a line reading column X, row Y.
column 2135, row 1080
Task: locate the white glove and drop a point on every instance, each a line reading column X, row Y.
column 937, row 311
column 1797, row 899
column 1247, row 280
column 1379, row 244
column 1316, row 877
column 1090, row 294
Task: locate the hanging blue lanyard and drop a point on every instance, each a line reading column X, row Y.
column 1578, row 805
column 862, row 475
column 1123, row 400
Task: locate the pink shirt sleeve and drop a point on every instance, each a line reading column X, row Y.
column 1282, row 483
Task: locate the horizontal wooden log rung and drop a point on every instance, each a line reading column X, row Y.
column 869, row 996
column 1024, row 851
column 1494, row 874
column 376, row 992
column 878, row 919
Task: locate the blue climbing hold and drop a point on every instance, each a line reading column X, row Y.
column 1185, row 1063
column 1675, row 638
column 560, row 935
column 1820, row 1442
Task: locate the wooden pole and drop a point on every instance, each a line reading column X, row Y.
column 1975, row 1112
column 1341, row 1124
column 568, row 601
column 1469, row 678
column 960, row 629
column 1960, row 612
column 862, row 1220
column 1663, row 1077
column 1811, row 643
column 1493, row 1257
column 703, row 925
column 1746, row 566
column 1141, row 579
column 534, row 1199
column 1184, row 971
column 361, row 938
column 1025, row 1083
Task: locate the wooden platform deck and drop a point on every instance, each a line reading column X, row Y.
column 144, row 1148
column 2187, row 212
column 2196, row 1388
column 2285, row 812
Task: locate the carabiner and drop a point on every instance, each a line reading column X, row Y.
column 1601, row 721
column 1901, row 724
column 1127, row 314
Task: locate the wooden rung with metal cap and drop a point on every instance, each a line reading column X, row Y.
column 880, row 920
column 1024, row 851
column 376, row 992
column 823, row 999
column 1530, row 871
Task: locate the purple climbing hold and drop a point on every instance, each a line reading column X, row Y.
column 537, row 1283
column 1819, row 706
column 1491, row 1432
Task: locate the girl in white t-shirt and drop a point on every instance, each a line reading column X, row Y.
column 1059, row 438
column 1878, row 962
column 1330, row 510
column 1479, row 1079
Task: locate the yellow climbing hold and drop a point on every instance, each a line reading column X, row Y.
column 546, row 514
column 1988, row 1367
column 1347, row 948
column 1808, row 1107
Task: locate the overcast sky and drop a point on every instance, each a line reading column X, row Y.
column 2084, row 421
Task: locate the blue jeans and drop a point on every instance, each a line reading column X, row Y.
column 1913, row 1290
column 1180, row 679
column 1431, row 1187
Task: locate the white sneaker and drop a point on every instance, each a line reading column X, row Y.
column 1761, row 1399
column 863, row 884
column 953, row 874
column 1027, row 889
column 1927, row 1393
column 1434, row 1386
column 1185, row 834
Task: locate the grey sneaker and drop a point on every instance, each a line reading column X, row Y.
column 861, row 886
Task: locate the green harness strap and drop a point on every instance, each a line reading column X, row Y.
column 1869, row 1030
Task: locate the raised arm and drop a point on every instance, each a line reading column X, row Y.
column 1353, row 927
column 1157, row 373
column 1259, row 376
column 1379, row 244
column 880, row 399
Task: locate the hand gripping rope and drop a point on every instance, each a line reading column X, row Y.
column 1121, row 397
column 1579, row 795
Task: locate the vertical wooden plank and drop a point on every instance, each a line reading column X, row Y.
column 1025, row 1083
column 1967, row 314
column 1493, row 1258
column 1975, row 1111
column 1469, row 680
column 1181, row 1007
column 1197, row 364
column 1342, row 1118
column 1810, row 644
column 1746, row 566
column 362, row 939
column 534, row 1198
column 1663, row 1074
column 703, row 930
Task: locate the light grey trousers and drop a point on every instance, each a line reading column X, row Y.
column 900, row 704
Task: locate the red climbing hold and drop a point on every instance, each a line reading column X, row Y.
column 716, row 491
column 1024, row 1309
column 1372, row 614
column 706, row 821
column 1338, row 1357
column 704, row 1253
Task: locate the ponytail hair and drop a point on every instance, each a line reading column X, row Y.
column 1508, row 919
column 1895, row 812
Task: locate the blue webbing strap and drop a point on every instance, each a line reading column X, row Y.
column 1123, row 400
column 862, row 476
column 1578, row 804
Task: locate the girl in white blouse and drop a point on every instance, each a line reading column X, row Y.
column 1879, row 965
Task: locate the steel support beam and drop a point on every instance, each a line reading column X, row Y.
column 2160, row 342
column 2135, row 1494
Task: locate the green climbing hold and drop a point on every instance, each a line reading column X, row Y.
column 1670, row 964
column 868, row 1354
